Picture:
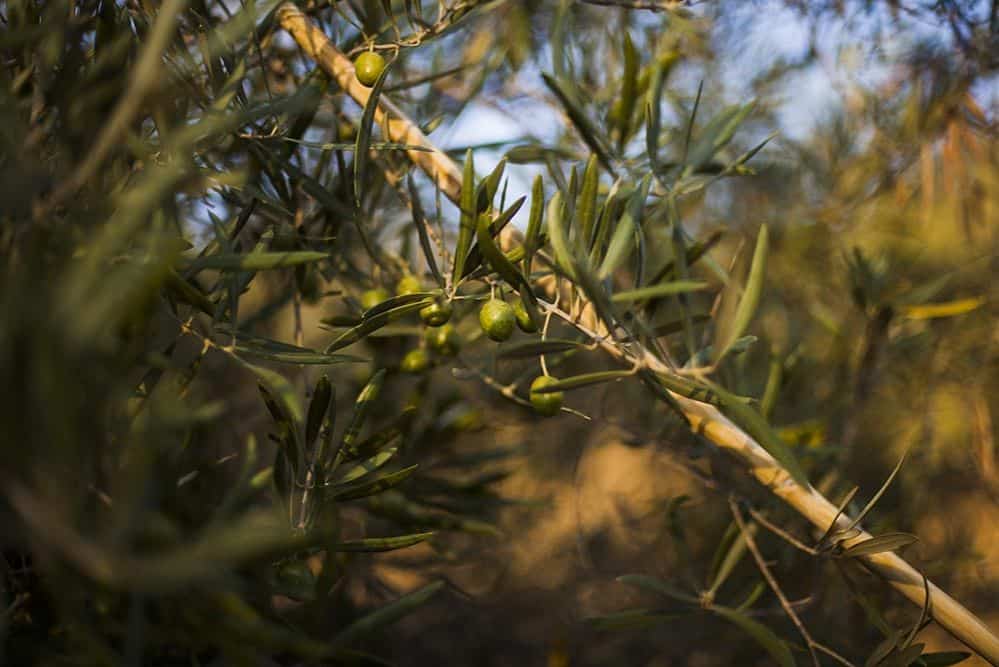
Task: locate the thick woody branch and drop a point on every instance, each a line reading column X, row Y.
column 704, row 419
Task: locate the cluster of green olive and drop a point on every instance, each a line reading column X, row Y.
column 497, row 319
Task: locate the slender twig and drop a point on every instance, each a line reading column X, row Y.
column 761, row 565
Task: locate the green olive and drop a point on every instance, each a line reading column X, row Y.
column 547, row 404
column 497, row 319
column 444, row 340
column 346, row 132
column 415, row 361
column 368, row 67
column 408, row 284
column 436, row 314
column 524, row 320
column 373, row 297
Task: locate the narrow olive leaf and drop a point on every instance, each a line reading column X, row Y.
column 839, row 511
column 763, row 635
column 317, row 409
column 375, row 442
column 420, row 221
column 559, row 237
column 302, row 356
column 753, row 596
column 533, row 348
column 280, row 389
column 628, row 229
column 571, row 192
column 735, row 552
column 466, row 228
column 384, row 437
column 690, row 123
column 394, row 302
column 632, row 619
column 185, row 292
column 753, row 423
column 282, row 402
column 943, row 658
column 926, row 311
column 718, row 132
column 775, row 377
column 372, row 486
column 584, row 380
column 877, row 496
column 362, row 406
column 663, row 289
column 625, row 109
column 325, row 449
column 372, row 324
column 732, row 328
column 582, row 124
column 474, row 260
column 587, row 207
column 653, row 117
column 257, row 261
column 658, row 586
column 692, row 254
column 358, row 470
column 386, row 615
column 486, row 192
column 749, row 155
column 532, row 238
column 375, row 544
column 497, row 260
column 530, row 153
column 363, row 141
column 884, row 649
column 690, row 388
column 338, row 321
column 879, row 544
column 904, row 657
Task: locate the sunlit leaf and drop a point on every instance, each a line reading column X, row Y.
column 732, row 326
column 880, row 544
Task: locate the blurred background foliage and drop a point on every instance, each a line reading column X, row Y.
column 181, row 485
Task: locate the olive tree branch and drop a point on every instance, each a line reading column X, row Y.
column 704, row 419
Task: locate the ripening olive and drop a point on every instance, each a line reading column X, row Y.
column 346, row 132
column 415, row 361
column 373, row 297
column 524, row 320
column 368, row 67
column 497, row 319
column 408, row 284
column 436, row 314
column 444, row 340
column 547, row 404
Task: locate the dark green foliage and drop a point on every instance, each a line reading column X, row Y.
column 226, row 442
